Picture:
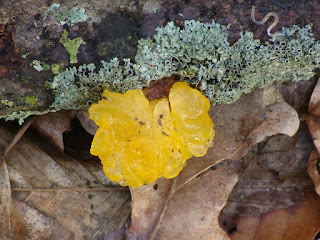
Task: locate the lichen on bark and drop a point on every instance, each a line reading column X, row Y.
column 221, row 69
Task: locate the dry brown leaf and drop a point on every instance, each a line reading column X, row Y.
column 5, row 200
column 314, row 128
column 53, row 125
column 190, row 212
column 238, row 126
column 29, row 223
column 243, row 124
column 313, row 118
column 314, row 104
column 272, row 176
column 87, row 123
column 53, row 194
column 313, row 169
column 300, row 221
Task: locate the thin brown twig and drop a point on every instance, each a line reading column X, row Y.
column 19, row 134
column 163, row 211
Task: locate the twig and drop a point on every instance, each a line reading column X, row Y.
column 266, row 17
column 163, row 211
column 20, row 133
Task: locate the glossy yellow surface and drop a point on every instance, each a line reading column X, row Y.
column 139, row 141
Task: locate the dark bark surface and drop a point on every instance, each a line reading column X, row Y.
column 112, row 30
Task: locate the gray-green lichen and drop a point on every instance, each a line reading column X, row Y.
column 40, row 66
column 69, row 17
column 201, row 54
column 21, row 115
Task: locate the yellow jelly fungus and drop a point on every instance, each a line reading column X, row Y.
column 139, row 141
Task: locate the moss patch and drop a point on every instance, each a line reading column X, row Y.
column 30, row 100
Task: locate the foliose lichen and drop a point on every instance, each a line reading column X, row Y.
column 72, row 46
column 23, row 114
column 69, row 17
column 202, row 56
column 40, row 66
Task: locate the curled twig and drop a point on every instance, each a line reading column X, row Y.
column 266, row 17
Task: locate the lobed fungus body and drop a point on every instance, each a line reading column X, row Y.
column 139, row 141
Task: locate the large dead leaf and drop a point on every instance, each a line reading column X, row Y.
column 203, row 198
column 50, row 196
column 243, row 124
column 314, row 104
column 313, row 118
column 273, row 175
column 300, row 221
column 314, row 128
column 238, row 126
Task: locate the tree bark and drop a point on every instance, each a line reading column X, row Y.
column 112, row 29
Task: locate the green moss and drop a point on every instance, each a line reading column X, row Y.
column 55, row 68
column 30, row 100
column 7, row 103
column 72, row 46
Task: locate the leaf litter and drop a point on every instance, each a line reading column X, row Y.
column 161, row 210
column 300, row 221
column 274, row 190
column 51, row 196
column 238, row 127
column 53, row 125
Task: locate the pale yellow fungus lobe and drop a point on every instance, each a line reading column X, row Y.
column 139, row 141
